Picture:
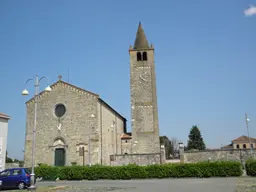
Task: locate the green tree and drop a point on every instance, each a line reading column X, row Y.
column 164, row 140
column 171, row 146
column 7, row 159
column 195, row 139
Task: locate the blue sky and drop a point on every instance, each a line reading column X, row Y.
column 204, row 53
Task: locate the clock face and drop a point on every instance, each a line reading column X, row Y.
column 144, row 77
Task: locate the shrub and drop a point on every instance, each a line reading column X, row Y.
column 203, row 169
column 250, row 167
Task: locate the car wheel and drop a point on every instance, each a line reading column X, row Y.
column 21, row 185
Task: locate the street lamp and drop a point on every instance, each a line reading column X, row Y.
column 247, row 128
column 25, row 92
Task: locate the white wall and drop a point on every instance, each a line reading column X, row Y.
column 3, row 141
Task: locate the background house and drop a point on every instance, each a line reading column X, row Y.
column 3, row 138
column 242, row 142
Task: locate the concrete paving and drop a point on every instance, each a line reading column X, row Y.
column 152, row 185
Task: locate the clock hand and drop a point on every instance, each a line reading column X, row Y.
column 143, row 78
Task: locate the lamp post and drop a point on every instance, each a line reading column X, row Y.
column 247, row 128
column 25, row 92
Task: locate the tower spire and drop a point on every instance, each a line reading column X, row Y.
column 141, row 41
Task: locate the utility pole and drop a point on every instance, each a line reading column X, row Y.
column 247, row 128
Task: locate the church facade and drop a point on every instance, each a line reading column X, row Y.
column 75, row 126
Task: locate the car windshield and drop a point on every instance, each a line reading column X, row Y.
column 27, row 171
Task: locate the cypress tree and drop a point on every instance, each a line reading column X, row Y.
column 195, row 139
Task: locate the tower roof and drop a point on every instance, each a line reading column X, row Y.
column 141, row 41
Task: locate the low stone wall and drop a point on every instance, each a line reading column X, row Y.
column 138, row 159
column 217, row 155
column 11, row 165
column 168, row 161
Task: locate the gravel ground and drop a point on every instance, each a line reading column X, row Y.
column 246, row 184
column 241, row 184
column 154, row 185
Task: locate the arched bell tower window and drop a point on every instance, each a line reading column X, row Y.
column 138, row 56
column 145, row 56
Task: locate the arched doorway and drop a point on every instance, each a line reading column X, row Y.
column 59, row 152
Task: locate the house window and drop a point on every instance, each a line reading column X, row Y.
column 251, row 145
column 237, row 146
column 244, row 146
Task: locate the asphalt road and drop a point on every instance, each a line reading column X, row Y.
column 154, row 185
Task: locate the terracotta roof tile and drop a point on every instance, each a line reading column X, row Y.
column 125, row 136
column 243, row 138
column 4, row 116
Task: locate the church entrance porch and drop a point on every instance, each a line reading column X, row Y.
column 59, row 157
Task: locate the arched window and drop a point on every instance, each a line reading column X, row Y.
column 138, row 56
column 244, row 146
column 237, row 146
column 145, row 56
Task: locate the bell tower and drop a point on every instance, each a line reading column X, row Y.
column 144, row 112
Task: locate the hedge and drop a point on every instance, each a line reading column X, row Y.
column 203, row 169
column 250, row 166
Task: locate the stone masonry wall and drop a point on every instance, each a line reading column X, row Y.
column 145, row 130
column 138, row 159
column 216, row 155
column 112, row 128
column 76, row 124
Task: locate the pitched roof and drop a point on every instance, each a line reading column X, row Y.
column 125, row 136
column 61, row 81
column 227, row 146
column 4, row 116
column 80, row 89
column 243, row 138
column 141, row 41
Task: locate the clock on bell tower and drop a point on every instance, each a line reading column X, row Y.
column 145, row 130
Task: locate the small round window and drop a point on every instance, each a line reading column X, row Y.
column 60, row 110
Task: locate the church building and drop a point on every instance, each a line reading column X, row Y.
column 76, row 127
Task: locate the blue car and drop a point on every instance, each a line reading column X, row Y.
column 14, row 178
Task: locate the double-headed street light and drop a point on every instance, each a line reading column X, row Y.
column 247, row 120
column 25, row 92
